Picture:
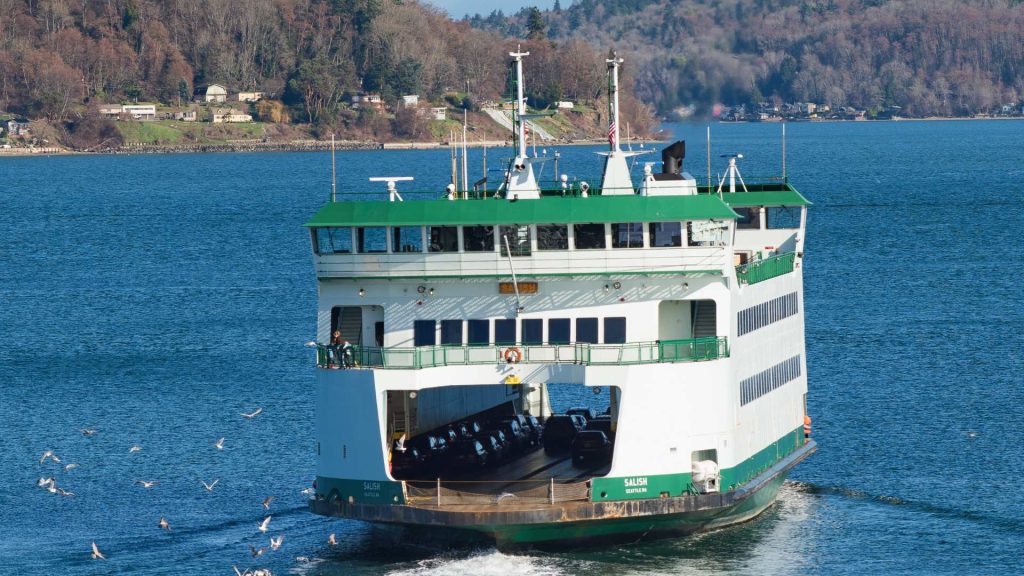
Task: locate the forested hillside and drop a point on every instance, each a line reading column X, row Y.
column 60, row 58
column 930, row 57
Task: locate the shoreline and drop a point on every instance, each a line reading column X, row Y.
column 355, row 145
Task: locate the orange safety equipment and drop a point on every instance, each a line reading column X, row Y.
column 807, row 426
column 513, row 355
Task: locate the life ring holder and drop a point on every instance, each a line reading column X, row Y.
column 512, row 355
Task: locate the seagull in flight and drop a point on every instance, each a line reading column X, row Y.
column 239, row 572
column 251, row 415
column 219, row 444
column 332, row 540
column 87, row 431
column 62, row 491
column 147, row 483
column 263, row 525
column 135, row 448
column 70, row 467
column 46, row 482
column 276, row 543
column 308, row 491
column 49, row 454
column 256, row 552
column 164, row 524
column 96, row 554
column 267, row 501
column 209, row 487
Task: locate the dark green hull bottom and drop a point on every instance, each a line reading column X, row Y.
column 583, row 524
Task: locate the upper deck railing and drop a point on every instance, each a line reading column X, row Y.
column 767, row 268
column 688, row 350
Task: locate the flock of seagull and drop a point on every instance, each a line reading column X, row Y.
column 49, row 483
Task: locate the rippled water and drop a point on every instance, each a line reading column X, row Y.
column 154, row 298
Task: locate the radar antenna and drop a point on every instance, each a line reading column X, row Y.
column 732, row 173
column 392, row 189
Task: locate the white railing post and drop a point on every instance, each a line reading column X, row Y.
column 438, row 491
column 552, row 489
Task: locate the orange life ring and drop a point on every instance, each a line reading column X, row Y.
column 513, row 355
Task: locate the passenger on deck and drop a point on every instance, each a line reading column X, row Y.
column 348, row 356
column 334, row 350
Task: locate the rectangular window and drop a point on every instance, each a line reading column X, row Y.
column 451, row 332
column 532, row 331
column 479, row 332
column 781, row 217
column 424, row 333
column 407, row 239
column 333, row 240
column 628, row 235
column 552, row 237
column 372, row 240
column 558, row 331
column 504, row 331
column 586, row 330
column 518, row 237
column 478, row 238
column 666, row 234
column 615, row 330
column 589, row 236
column 443, row 238
column 749, row 217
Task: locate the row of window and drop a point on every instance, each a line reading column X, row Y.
column 764, row 382
column 520, row 239
column 765, row 313
column 525, row 331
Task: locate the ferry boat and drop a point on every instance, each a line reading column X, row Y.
column 455, row 333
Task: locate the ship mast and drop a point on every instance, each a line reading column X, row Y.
column 616, row 179
column 520, row 109
column 613, row 102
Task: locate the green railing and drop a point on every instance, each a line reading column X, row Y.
column 690, row 350
column 761, row 270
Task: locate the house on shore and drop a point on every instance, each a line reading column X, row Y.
column 228, row 116
column 250, row 96
column 215, row 93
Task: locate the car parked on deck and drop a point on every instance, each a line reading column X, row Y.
column 586, row 413
column 559, row 430
column 468, row 455
column 591, row 448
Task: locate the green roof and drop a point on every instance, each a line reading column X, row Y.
column 547, row 210
column 788, row 197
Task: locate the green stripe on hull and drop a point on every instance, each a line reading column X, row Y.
column 638, row 487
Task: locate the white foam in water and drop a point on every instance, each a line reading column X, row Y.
column 484, row 563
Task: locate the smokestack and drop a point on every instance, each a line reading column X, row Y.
column 672, row 158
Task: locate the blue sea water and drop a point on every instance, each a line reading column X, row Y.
column 155, row 298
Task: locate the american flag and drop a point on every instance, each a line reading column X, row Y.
column 611, row 133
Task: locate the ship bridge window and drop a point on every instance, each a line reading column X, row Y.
column 586, row 330
column 443, row 238
column 424, row 333
column 552, row 237
column 407, row 239
column 478, row 238
column 372, row 240
column 558, row 331
column 628, row 235
column 782, row 217
column 666, row 234
column 333, row 240
column 451, row 332
column 532, row 330
column 749, row 217
column 615, row 330
column 504, row 331
column 589, row 236
column 518, row 237
column 479, row 332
